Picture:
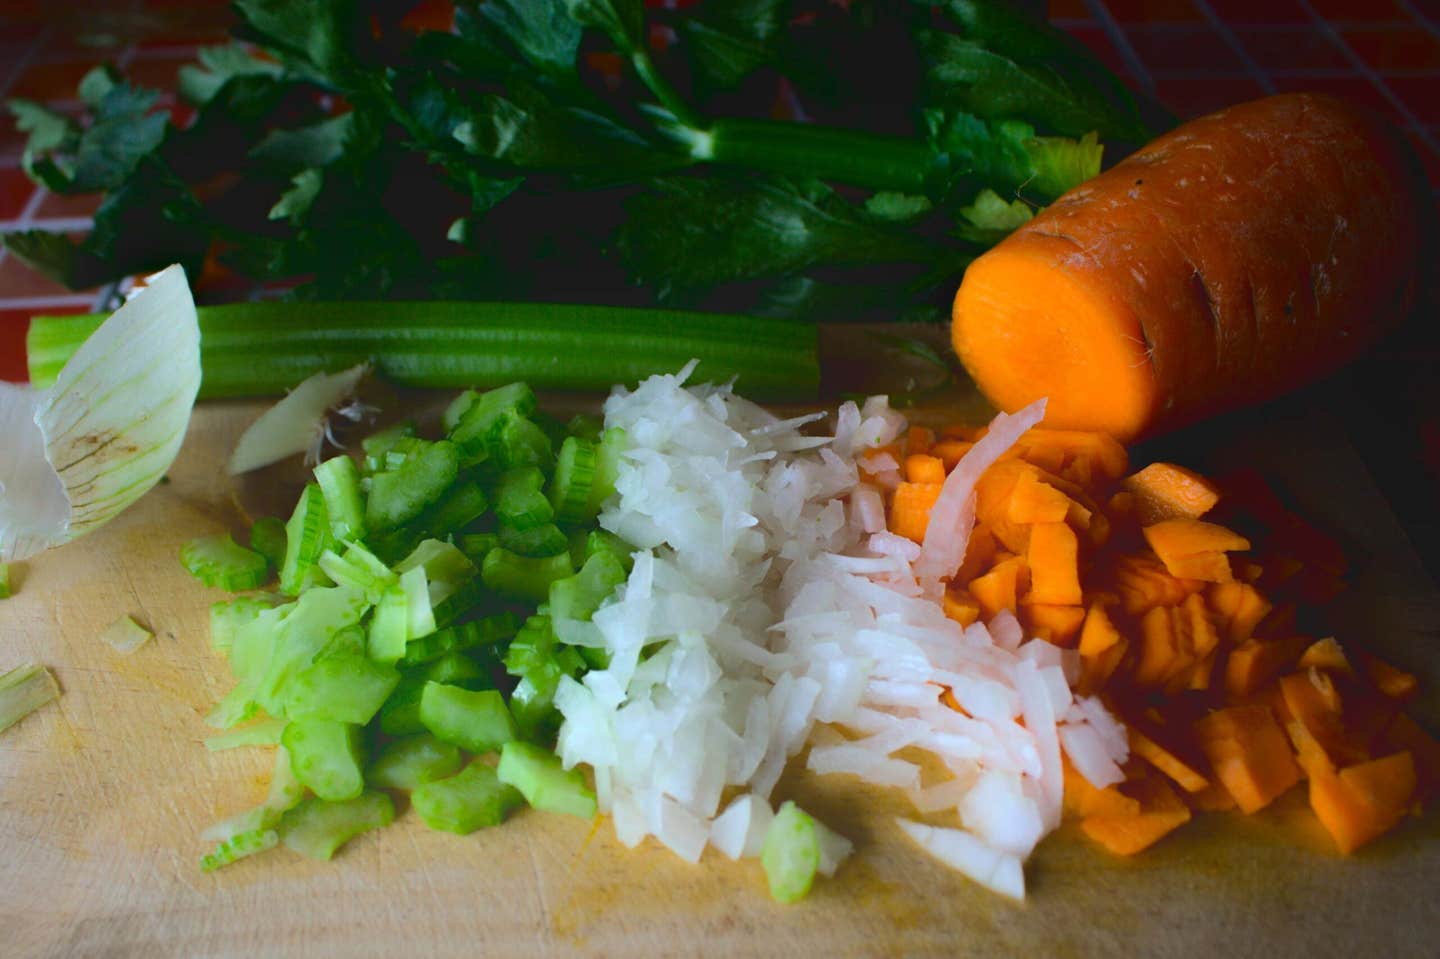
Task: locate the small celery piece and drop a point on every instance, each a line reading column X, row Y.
column 542, row 541
column 344, row 688
column 390, row 626
column 545, row 784
column 476, row 545
column 519, row 501
column 399, row 496
column 376, row 445
column 464, row 598
column 523, row 577
column 400, row 716
column 571, row 484
column 486, row 631
column 267, row 537
column 604, row 541
column 317, row 617
column 326, row 756
column 4, row 580
column 358, row 568
column 228, row 615
column 475, row 720
column 578, row 596
column 339, row 481
column 462, row 505
column 791, row 853
column 472, row 799
column 221, row 562
column 239, row 844
column 443, row 562
column 584, row 426
column 125, row 635
column 419, row 613
column 475, row 420
column 522, row 442
column 23, row 690
column 613, row 443
column 317, row 827
column 306, row 536
column 267, row 732
column 413, row 761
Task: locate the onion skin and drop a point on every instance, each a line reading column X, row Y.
column 1240, row 256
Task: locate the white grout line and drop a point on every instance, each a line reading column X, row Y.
column 1365, row 70
column 45, row 302
column 1112, row 31
column 24, row 60
column 1421, row 18
column 1233, row 42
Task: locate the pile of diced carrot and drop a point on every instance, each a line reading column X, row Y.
column 1188, row 601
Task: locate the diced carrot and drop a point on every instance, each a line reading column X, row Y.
column 1081, row 798
column 1185, row 774
column 959, row 431
column 1101, row 647
column 1162, row 812
column 1213, row 798
column 1393, row 682
column 1059, row 625
column 1032, row 500
column 1325, row 654
column 1312, row 701
column 1001, row 588
column 1256, row 662
column 923, row 468
column 1240, row 608
column 1249, row 753
column 961, row 606
column 910, row 509
column 1164, row 650
column 1143, row 583
column 1165, row 491
column 1363, row 801
column 979, row 554
column 950, row 452
column 919, row 439
column 1193, row 549
column 1107, row 456
column 1054, row 560
column 1210, row 567
column 992, row 503
column 1404, row 733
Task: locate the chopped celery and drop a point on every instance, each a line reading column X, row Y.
column 238, row 846
column 221, row 562
column 538, row 659
column 472, row 799
column 523, row 577
column 475, row 420
column 570, row 486
column 522, row 442
column 315, row 619
column 604, row 541
column 443, row 562
column 519, row 501
column 400, row 716
column 487, row 631
column 461, row 506
column 578, row 596
column 326, row 756
column 267, row 537
column 264, row 733
column 339, row 481
column 607, row 467
column 413, row 761
column 228, row 615
column 376, row 445
column 537, row 543
column 23, row 690
column 475, row 720
column 419, row 613
column 306, row 536
column 545, row 784
column 4, row 580
column 466, row 598
column 358, row 568
column 476, row 545
column 345, row 688
column 584, row 426
column 399, row 496
column 318, row 827
column 791, row 853
column 125, row 635
column 390, row 626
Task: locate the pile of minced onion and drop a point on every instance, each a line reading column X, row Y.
column 770, row 610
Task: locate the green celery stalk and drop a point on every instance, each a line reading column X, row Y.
column 471, row 799
column 249, row 349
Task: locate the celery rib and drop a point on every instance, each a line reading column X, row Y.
column 264, row 348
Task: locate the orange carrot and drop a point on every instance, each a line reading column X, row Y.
column 1054, row 561
column 1165, row 491
column 1250, row 754
column 1233, row 259
column 1161, row 812
column 910, row 508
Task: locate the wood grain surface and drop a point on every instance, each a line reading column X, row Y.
column 104, row 793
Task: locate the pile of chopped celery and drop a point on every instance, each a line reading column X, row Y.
column 415, row 641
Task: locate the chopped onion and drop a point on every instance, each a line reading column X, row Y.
column 78, row 453
column 125, row 635
column 995, row 870
column 299, row 422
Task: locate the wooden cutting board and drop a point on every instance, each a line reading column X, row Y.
column 104, row 793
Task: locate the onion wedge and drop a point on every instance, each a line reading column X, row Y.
column 97, row 440
column 297, row 424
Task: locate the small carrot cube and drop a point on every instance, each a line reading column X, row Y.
column 961, row 606
column 1058, row 625
column 950, row 452
column 1034, row 501
column 1054, row 559
column 1325, row 654
column 1185, row 773
column 1162, row 812
column 924, row 468
column 1363, row 801
column 1001, row 588
column 1101, row 647
column 1178, row 543
column 1240, row 608
column 1249, row 753
column 1165, row 491
column 919, row 439
column 910, row 506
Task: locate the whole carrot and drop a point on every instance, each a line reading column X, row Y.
column 1231, row 260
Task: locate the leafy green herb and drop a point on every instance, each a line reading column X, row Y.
column 553, row 150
